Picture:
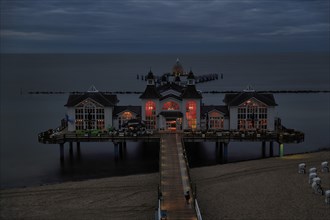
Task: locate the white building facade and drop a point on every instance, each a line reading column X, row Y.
column 172, row 103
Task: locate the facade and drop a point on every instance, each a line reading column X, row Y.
column 123, row 114
column 171, row 105
column 250, row 110
column 172, row 102
column 90, row 110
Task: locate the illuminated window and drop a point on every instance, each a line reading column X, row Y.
column 191, row 114
column 150, row 109
column 89, row 115
column 252, row 115
column 124, row 117
column 216, row 120
column 171, row 106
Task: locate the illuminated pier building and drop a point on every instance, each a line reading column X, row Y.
column 172, row 102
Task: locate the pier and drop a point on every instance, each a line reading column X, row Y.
column 221, row 139
column 176, row 195
column 176, row 198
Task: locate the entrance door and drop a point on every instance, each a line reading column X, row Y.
column 171, row 125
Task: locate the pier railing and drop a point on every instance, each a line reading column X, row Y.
column 282, row 136
column 63, row 137
column 193, row 190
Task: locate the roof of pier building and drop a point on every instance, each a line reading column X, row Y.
column 135, row 109
column 103, row 98
column 236, row 99
column 190, row 92
column 205, row 109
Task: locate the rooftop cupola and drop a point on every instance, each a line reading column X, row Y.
column 177, row 69
column 191, row 78
column 150, row 78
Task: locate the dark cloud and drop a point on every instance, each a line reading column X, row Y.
column 159, row 25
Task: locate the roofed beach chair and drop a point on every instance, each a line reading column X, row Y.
column 325, row 167
column 311, row 177
column 302, row 168
column 327, row 197
column 317, row 189
column 312, row 170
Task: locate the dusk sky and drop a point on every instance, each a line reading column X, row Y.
column 164, row 26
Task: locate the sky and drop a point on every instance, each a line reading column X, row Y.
column 164, row 26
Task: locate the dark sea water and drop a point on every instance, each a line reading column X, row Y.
column 25, row 162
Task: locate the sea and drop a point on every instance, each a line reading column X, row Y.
column 26, row 162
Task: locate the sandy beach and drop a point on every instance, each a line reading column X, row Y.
column 260, row 189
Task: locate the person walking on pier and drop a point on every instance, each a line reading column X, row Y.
column 187, row 196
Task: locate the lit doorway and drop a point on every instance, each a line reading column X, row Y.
column 171, row 125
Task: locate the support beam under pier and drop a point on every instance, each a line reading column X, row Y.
column 78, row 151
column 116, row 150
column 71, row 150
column 62, row 152
column 263, row 149
column 222, row 152
column 225, row 152
column 281, row 150
column 271, row 149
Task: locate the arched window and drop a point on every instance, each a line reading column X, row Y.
column 252, row 115
column 150, row 109
column 89, row 115
column 216, row 120
column 191, row 114
column 170, row 105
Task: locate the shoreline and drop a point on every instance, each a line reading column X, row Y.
column 270, row 188
column 81, row 179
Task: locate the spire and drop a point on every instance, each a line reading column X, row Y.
column 249, row 89
column 191, row 78
column 177, row 69
column 150, row 78
column 92, row 89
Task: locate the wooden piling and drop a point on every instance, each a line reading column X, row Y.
column 71, row 150
column 225, row 152
column 263, row 149
column 271, row 149
column 116, row 150
column 62, row 152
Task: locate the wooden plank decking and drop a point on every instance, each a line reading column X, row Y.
column 174, row 179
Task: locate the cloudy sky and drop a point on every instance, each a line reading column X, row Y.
column 162, row 26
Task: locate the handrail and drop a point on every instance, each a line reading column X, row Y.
column 199, row 216
column 159, row 211
column 197, row 211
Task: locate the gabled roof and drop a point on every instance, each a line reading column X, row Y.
column 190, row 92
column 169, row 86
column 119, row 109
column 150, row 93
column 236, row 99
column 150, row 75
column 170, row 96
column 102, row 98
column 191, row 75
column 208, row 108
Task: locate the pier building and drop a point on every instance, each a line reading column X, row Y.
column 174, row 103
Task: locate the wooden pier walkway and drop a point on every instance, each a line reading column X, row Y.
column 174, row 179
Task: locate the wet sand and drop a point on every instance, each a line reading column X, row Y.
column 260, row 189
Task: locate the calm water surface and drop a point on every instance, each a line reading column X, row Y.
column 25, row 162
